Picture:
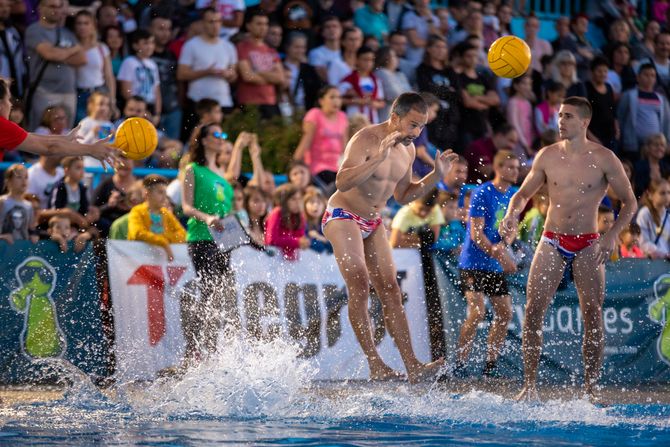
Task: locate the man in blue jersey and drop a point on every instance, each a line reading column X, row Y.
column 485, row 260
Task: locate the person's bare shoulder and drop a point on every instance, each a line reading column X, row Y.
column 547, row 154
column 606, row 158
column 365, row 140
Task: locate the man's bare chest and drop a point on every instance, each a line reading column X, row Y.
column 579, row 176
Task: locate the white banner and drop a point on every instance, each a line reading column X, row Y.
column 303, row 300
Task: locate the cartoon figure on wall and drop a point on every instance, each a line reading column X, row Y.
column 659, row 311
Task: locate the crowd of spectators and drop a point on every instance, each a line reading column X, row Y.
column 336, row 65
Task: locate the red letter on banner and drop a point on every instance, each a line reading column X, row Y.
column 151, row 276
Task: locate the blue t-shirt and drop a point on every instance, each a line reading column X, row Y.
column 491, row 204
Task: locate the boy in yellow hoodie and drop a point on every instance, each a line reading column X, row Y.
column 151, row 221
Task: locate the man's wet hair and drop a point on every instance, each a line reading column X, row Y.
column 406, row 102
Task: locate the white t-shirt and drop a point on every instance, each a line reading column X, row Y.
column 174, row 192
column 337, row 71
column 200, row 55
column 41, row 183
column 227, row 9
column 323, row 56
column 143, row 76
column 92, row 74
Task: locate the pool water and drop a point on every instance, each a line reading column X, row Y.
column 263, row 394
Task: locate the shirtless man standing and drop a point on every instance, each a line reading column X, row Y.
column 577, row 173
column 377, row 164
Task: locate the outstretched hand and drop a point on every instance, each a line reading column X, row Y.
column 444, row 161
column 105, row 152
column 388, row 143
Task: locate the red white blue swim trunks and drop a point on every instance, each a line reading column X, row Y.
column 367, row 226
column 568, row 245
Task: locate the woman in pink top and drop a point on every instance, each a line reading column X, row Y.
column 324, row 135
column 520, row 113
column 285, row 225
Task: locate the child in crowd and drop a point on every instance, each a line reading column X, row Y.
column 139, row 76
column 520, row 115
column 17, row 216
column 546, row 112
column 361, row 92
column 238, row 203
column 135, row 196
column 97, row 124
column 60, row 231
column 654, row 220
column 452, row 233
column 298, row 175
column 285, row 225
column 629, row 242
column 151, row 221
column 411, row 218
column 256, row 207
column 208, row 111
column 315, row 205
column 530, row 228
column 605, row 223
column 70, row 192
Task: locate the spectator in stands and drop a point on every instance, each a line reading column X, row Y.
column 504, row 14
column 110, row 195
column 629, row 242
column 113, row 37
column 259, row 67
column 135, row 106
column 621, row 75
column 532, row 225
column 579, row 44
column 659, row 11
column 654, row 163
column 481, row 153
column 314, row 204
column 324, row 137
column 138, row 75
column 398, row 42
column 166, row 61
column 435, row 76
column 642, row 112
column 285, row 225
column 619, row 32
column 53, row 55
column 484, row 261
column 563, row 70
column 298, row 175
column 96, row 75
column 352, row 40
column 393, row 81
column 321, row 57
column 207, row 198
column 452, row 233
column 151, row 221
column 12, row 65
column 97, row 125
column 70, row 192
column 538, row 47
column 520, row 116
column 232, row 15
column 209, row 65
column 135, row 196
column 123, row 17
column 562, row 25
column 420, row 215
column 303, row 81
column 606, row 220
column 274, row 37
column 473, row 25
column 661, row 61
column 546, row 113
column 395, row 10
column 54, row 121
column 419, row 24
column 478, row 94
column 60, row 231
column 256, row 205
column 454, row 180
column 645, row 49
column 42, row 176
column 361, row 91
column 604, row 127
column 654, row 220
column 372, row 20
column 17, row 216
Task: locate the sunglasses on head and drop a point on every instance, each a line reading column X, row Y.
column 220, row 135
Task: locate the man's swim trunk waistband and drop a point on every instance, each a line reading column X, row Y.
column 367, row 226
column 568, row 245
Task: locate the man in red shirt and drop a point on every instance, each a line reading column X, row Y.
column 14, row 137
column 260, row 68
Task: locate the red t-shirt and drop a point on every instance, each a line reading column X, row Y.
column 11, row 135
column 261, row 58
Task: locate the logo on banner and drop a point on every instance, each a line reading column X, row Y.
column 41, row 336
column 659, row 311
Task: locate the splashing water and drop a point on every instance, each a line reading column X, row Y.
column 263, row 393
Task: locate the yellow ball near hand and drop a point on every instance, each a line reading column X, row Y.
column 509, row 57
column 137, row 138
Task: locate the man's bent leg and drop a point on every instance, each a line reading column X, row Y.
column 345, row 236
column 546, row 273
column 590, row 283
column 474, row 315
column 379, row 260
column 502, row 315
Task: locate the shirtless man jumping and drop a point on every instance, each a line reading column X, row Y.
column 377, row 164
column 577, row 173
